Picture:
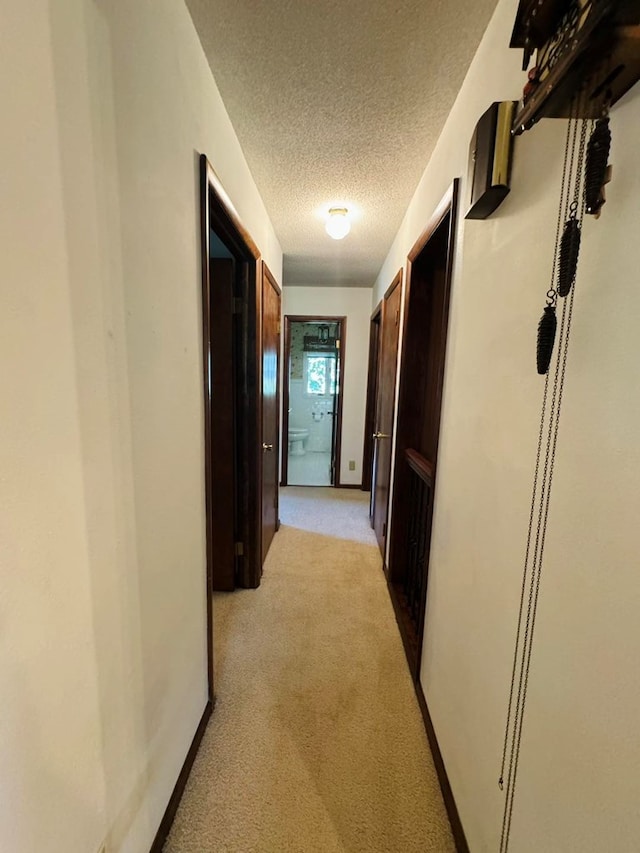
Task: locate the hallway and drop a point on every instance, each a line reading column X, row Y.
column 316, row 744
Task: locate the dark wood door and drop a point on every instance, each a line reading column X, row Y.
column 385, row 396
column 370, row 411
column 270, row 406
column 222, row 457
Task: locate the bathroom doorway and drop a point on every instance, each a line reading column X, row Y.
column 312, row 400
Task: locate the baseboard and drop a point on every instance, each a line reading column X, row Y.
column 174, row 801
column 336, row 486
column 443, row 779
column 408, row 636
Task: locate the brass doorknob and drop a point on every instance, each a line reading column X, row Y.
column 378, row 435
column 267, row 447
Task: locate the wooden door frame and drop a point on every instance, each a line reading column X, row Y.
column 448, row 206
column 214, row 204
column 216, row 209
column 266, row 273
column 370, row 409
column 304, row 318
column 397, row 282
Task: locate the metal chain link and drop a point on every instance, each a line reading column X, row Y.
column 524, row 641
column 552, row 296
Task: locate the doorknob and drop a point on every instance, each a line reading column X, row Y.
column 267, row 447
column 378, row 435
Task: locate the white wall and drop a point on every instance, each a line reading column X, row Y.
column 102, row 607
column 578, row 784
column 311, row 412
column 354, row 303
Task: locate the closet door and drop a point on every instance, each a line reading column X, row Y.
column 385, row 396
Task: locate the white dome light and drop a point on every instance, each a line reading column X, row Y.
column 338, row 225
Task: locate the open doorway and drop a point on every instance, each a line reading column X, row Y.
column 312, row 416
column 231, row 315
column 428, row 283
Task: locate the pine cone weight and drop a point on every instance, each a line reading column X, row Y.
column 598, row 149
column 569, row 251
column 546, row 338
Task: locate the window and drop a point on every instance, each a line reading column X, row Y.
column 320, row 374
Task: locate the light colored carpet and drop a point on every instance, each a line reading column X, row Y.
column 316, row 744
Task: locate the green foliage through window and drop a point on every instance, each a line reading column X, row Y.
column 321, row 374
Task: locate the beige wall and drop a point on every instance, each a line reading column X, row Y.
column 354, row 303
column 578, row 784
column 102, row 610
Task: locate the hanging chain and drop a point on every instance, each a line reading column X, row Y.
column 552, row 297
column 574, row 209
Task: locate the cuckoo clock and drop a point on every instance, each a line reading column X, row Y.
column 586, row 46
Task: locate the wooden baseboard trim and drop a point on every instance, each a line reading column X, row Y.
column 443, row 779
column 349, row 486
column 408, row 637
column 174, row 801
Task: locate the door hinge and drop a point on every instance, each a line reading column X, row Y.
column 397, row 316
column 384, row 529
column 239, row 549
column 279, row 327
column 337, row 343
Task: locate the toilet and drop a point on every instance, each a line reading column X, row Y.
column 297, row 438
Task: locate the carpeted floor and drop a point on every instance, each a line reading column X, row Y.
column 316, row 744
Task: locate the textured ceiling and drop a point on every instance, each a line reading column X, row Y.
column 338, row 101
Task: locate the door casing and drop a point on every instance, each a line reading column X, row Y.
column 312, row 318
column 418, row 419
column 218, row 213
column 270, row 401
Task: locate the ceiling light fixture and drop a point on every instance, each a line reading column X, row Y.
column 338, row 225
